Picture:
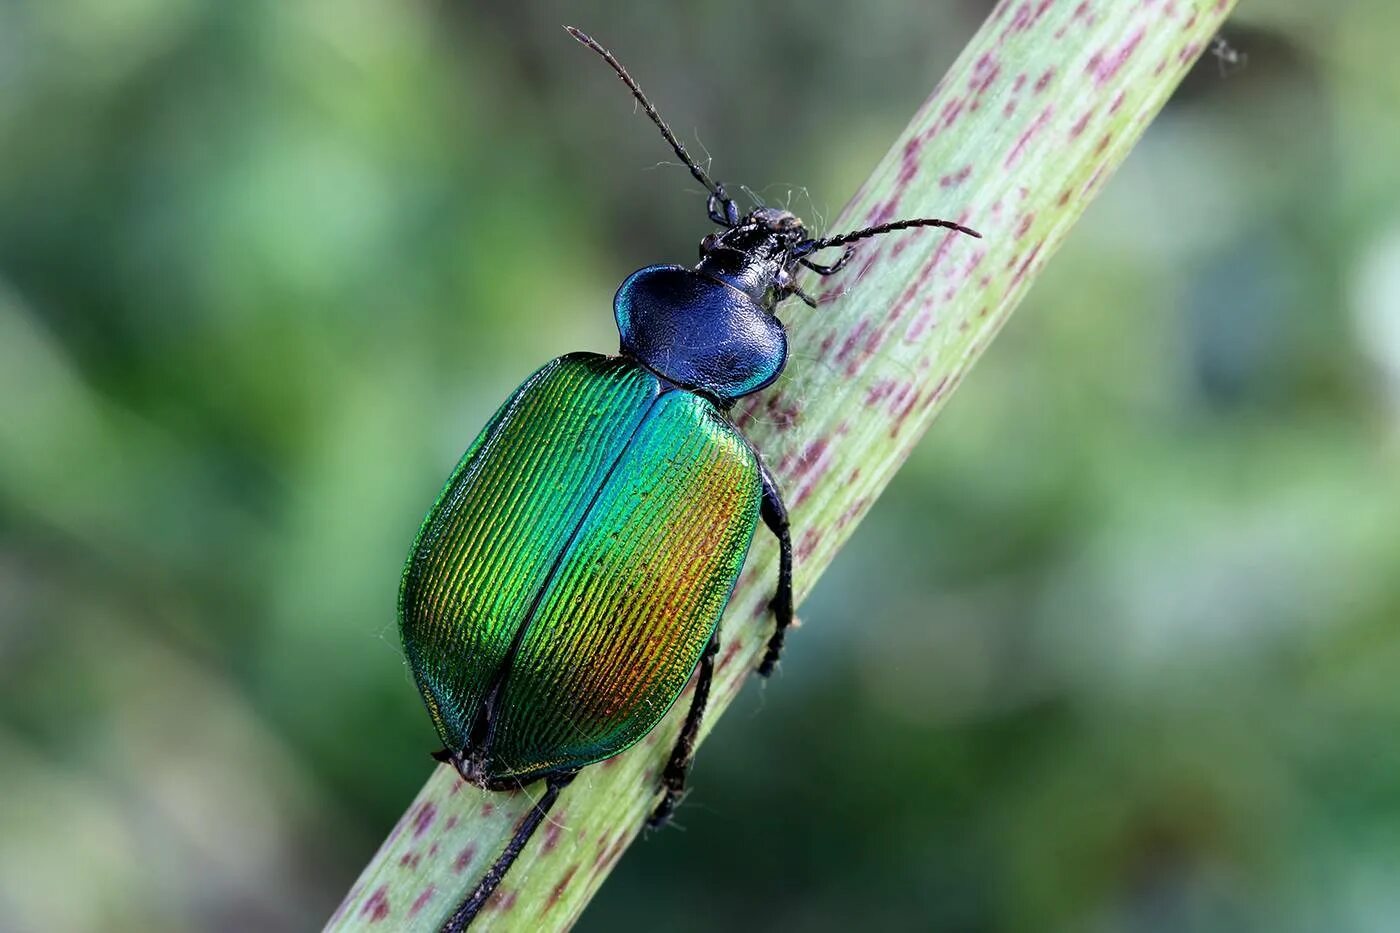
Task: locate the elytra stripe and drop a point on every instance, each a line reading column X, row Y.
column 623, row 621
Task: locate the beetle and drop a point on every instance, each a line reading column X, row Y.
column 570, row 578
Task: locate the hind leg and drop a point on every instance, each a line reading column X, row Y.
column 468, row 909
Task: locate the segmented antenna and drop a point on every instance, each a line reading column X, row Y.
column 632, row 86
column 812, row 246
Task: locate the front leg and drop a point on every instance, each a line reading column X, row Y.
column 776, row 518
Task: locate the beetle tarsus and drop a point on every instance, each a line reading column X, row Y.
column 683, row 754
column 675, row 792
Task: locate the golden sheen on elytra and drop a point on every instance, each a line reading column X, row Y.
column 566, row 582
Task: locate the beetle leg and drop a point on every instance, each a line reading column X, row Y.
column 673, row 778
column 464, row 914
column 834, row 267
column 807, row 299
column 776, row 518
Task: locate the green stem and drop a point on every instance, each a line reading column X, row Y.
column 1036, row 114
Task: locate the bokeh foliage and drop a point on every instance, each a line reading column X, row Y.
column 1117, row 650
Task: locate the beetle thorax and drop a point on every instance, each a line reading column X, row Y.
column 711, row 329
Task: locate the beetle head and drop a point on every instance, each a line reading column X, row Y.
column 758, row 254
column 761, row 227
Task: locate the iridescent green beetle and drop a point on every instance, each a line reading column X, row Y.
column 571, row 576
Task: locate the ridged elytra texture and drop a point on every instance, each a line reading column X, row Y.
column 579, row 557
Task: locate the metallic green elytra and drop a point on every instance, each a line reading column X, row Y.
column 563, row 589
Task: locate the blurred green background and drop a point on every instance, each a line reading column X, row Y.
column 1117, row 651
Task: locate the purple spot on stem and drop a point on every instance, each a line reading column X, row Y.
column 879, row 391
column 422, row 900
column 1031, row 132
column 464, row 858
column 1080, row 124
column 1026, row 265
column 426, row 814
column 984, row 72
column 1104, row 68
column 377, row 907
column 551, row 834
column 558, row 890
column 954, row 179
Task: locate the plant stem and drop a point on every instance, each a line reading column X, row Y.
column 1036, row 114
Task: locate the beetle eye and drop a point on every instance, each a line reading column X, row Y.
column 710, row 242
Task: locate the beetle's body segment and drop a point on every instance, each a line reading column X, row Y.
column 563, row 588
column 699, row 331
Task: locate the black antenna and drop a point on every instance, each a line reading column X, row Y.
column 627, row 79
column 811, row 246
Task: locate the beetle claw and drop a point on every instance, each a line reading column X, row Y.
column 664, row 810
